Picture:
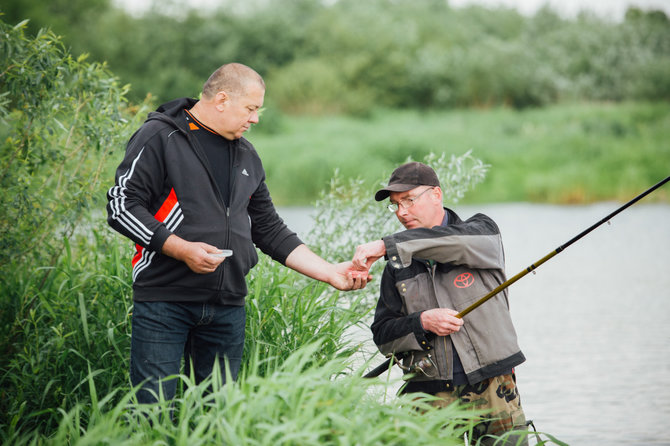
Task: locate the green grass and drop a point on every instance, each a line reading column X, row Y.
column 298, row 403
column 572, row 153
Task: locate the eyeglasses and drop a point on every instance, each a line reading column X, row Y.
column 406, row 203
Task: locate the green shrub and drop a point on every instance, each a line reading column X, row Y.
column 61, row 118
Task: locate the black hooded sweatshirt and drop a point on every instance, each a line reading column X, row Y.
column 165, row 185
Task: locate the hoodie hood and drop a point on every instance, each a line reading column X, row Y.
column 169, row 112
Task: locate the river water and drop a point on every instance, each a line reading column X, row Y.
column 592, row 321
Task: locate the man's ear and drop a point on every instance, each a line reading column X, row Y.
column 220, row 100
column 437, row 193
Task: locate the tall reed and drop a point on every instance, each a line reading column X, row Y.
column 78, row 318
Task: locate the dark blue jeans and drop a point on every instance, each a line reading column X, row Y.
column 163, row 332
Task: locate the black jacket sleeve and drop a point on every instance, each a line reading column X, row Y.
column 139, row 182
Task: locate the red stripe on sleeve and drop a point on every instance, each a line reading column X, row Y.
column 160, row 215
column 167, row 206
column 138, row 254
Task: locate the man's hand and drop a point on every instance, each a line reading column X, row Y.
column 367, row 254
column 342, row 276
column 346, row 277
column 196, row 255
column 441, row 321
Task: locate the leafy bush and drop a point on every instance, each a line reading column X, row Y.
column 309, row 86
column 60, row 117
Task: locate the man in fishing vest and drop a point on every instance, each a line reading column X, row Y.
column 437, row 267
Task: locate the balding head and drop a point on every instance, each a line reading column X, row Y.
column 233, row 78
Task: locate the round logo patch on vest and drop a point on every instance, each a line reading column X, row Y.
column 464, row 280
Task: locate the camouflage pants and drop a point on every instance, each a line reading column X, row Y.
column 498, row 396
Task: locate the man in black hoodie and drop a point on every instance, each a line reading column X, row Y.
column 191, row 193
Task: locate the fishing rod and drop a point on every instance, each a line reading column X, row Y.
column 385, row 365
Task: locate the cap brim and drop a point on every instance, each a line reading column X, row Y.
column 382, row 194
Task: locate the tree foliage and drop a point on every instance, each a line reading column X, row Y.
column 351, row 56
column 60, row 116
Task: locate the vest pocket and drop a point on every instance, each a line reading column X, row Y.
column 416, row 293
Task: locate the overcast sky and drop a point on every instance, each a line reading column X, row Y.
column 610, row 9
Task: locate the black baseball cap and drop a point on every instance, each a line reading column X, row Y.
column 407, row 177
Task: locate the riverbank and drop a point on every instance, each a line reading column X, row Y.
column 565, row 154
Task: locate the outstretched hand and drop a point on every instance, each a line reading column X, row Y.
column 342, row 276
column 346, row 277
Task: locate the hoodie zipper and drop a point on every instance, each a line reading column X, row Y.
column 234, row 145
column 195, row 144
